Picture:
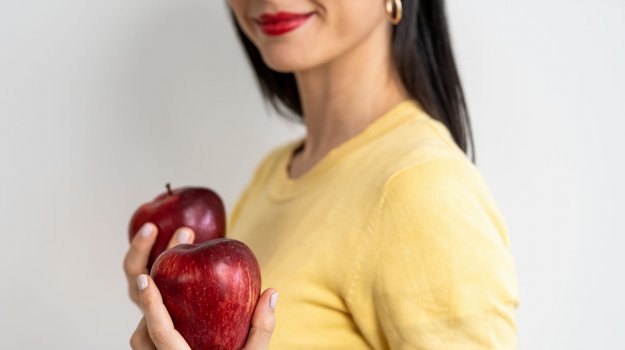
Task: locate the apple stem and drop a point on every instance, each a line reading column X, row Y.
column 168, row 186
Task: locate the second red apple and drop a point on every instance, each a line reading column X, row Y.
column 197, row 208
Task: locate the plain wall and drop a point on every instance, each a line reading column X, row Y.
column 102, row 102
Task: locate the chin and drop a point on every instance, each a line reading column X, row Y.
column 285, row 65
column 289, row 61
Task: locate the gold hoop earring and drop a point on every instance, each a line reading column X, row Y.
column 394, row 10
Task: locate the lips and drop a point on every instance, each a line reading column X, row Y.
column 281, row 22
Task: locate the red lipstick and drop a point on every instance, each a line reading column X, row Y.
column 281, row 22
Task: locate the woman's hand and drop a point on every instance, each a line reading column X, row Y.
column 136, row 260
column 156, row 329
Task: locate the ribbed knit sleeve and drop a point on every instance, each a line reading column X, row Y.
column 435, row 270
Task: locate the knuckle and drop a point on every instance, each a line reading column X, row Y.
column 264, row 329
column 268, row 325
column 147, row 300
column 130, row 265
column 135, row 341
column 159, row 335
column 133, row 294
column 127, row 266
column 129, row 260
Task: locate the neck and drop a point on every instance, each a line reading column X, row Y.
column 342, row 97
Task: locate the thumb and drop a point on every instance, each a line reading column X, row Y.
column 263, row 321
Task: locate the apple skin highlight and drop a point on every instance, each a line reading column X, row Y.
column 210, row 290
column 197, row 208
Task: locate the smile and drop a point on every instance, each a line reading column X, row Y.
column 282, row 22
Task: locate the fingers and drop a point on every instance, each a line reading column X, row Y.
column 136, row 259
column 263, row 321
column 140, row 339
column 159, row 323
column 181, row 236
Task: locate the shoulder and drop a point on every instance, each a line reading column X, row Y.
column 421, row 159
column 420, row 144
column 438, row 176
column 445, row 197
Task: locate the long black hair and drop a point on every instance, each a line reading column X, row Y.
column 422, row 53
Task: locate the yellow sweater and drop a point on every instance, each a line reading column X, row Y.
column 392, row 241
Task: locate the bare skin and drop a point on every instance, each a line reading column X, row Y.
column 344, row 96
column 342, row 63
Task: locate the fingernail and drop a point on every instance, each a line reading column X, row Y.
column 184, row 235
column 146, row 230
column 142, row 281
column 273, row 300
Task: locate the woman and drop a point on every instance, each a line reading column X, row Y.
column 376, row 228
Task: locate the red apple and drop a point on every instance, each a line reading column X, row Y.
column 198, row 208
column 210, row 291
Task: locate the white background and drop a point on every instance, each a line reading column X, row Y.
column 102, row 102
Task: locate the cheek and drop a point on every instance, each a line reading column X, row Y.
column 240, row 9
column 357, row 19
column 343, row 26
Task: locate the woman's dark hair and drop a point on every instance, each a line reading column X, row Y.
column 421, row 48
